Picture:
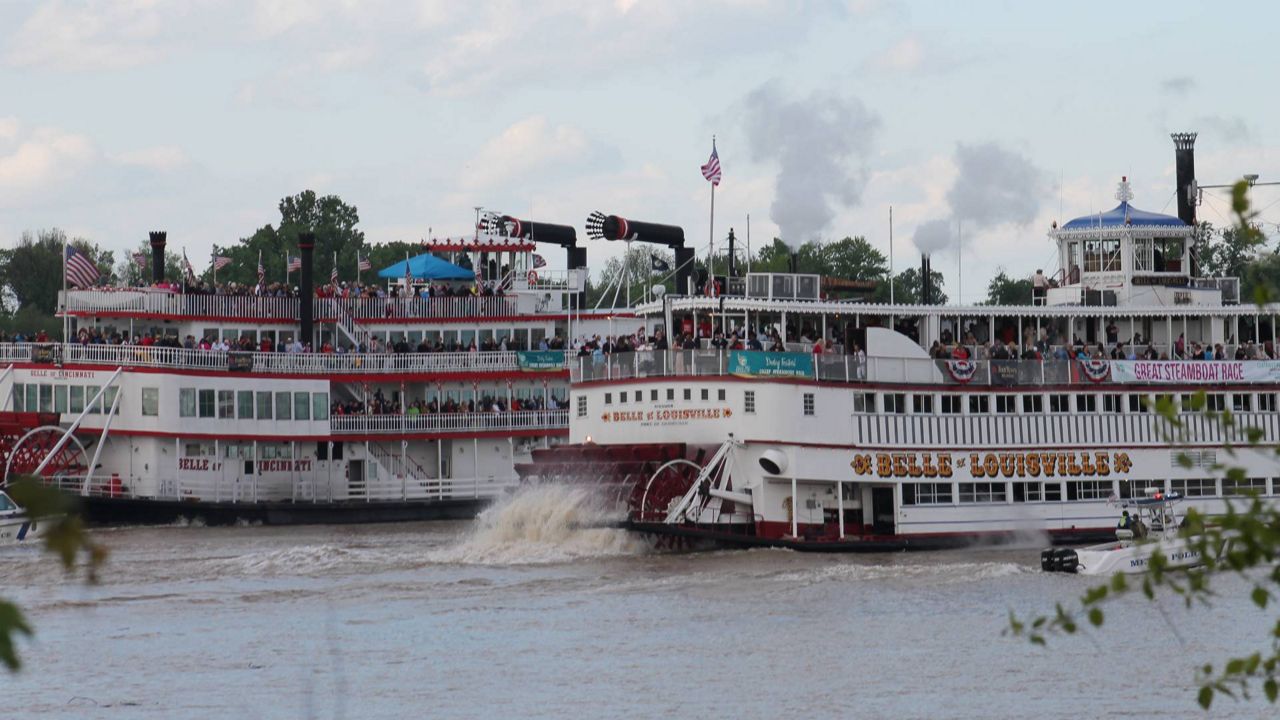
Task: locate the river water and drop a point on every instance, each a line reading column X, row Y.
column 525, row 614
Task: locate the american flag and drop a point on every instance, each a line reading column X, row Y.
column 262, row 271
column 711, row 171
column 333, row 274
column 539, row 261
column 362, row 263
column 191, row 272
column 220, row 261
column 295, row 263
column 140, row 259
column 81, row 272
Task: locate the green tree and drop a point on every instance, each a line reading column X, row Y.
column 32, row 270
column 906, row 288
column 334, row 224
column 1004, row 290
column 128, row 272
column 1245, row 542
column 635, row 269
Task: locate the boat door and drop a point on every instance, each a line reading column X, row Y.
column 882, row 512
column 355, row 477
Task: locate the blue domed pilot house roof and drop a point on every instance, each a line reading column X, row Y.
column 1124, row 256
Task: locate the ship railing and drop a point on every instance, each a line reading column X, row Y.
column 164, row 303
column 400, row 488
column 555, row 419
column 267, row 362
column 319, row 487
column 834, row 367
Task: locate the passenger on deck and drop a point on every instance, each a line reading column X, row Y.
column 1126, row 522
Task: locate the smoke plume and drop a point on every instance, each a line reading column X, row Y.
column 817, row 143
column 995, row 186
column 932, row 236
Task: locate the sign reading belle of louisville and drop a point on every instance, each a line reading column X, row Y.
column 666, row 416
column 1032, row 463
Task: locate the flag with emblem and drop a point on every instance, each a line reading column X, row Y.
column 81, row 272
column 658, row 264
column 539, row 261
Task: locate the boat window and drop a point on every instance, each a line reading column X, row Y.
column 1032, row 404
column 264, row 405
column 301, row 406
column 6, row 504
column 1006, row 404
column 749, row 401
column 1244, row 486
column 895, row 403
column 1112, row 403
column 244, row 404
column 150, row 401
column 1194, row 487
column 1059, row 403
column 922, row 404
column 75, row 402
column 1102, row 255
column 706, row 394
column 206, row 403
column 864, row 402
column 582, row 406
column 1241, row 402
column 622, row 397
column 982, row 492
column 46, row 398
column 1026, row 492
column 688, row 393
column 109, row 399
column 1088, row 489
column 1053, row 491
column 719, row 394
column 187, row 402
column 19, row 396
column 1138, row 404
column 671, row 393
column 979, row 404
column 227, row 404
column 926, row 493
column 808, row 403
column 639, row 396
column 1138, row 488
column 319, row 406
column 284, row 406
column 950, row 404
column 608, row 398
column 653, row 396
column 1086, row 403
column 1267, row 402
column 59, row 398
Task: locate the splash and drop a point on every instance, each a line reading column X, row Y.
column 542, row 524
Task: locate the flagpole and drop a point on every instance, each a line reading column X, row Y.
column 748, row 242
column 214, row 260
column 890, row 254
column 66, row 322
column 711, row 241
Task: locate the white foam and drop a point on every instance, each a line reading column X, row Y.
column 542, row 524
column 934, row 573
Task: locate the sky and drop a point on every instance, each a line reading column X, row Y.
column 980, row 123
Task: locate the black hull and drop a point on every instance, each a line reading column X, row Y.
column 878, row 543
column 102, row 511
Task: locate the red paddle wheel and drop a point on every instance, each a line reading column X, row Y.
column 621, row 472
column 650, row 501
column 27, row 438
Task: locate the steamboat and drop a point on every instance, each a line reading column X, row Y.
column 414, row 399
column 777, row 416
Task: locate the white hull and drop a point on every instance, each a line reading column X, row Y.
column 16, row 527
column 1127, row 557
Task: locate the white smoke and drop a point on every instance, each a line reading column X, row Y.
column 818, row 143
column 932, row 236
column 995, row 186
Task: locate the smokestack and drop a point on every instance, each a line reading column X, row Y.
column 306, row 291
column 731, row 239
column 158, row 240
column 616, row 227
column 926, row 287
column 1184, row 156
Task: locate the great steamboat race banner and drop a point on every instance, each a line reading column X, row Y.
column 540, row 360
column 1194, row 372
column 748, row 363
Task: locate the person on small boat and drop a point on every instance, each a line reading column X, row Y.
column 1126, row 522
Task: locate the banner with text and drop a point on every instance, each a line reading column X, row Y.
column 1195, row 372
column 541, row 360
column 747, row 363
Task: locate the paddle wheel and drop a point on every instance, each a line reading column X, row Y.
column 620, row 473
column 28, row 438
column 651, row 501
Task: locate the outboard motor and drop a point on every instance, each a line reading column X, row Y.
column 1059, row 560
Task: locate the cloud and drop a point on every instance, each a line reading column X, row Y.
column 90, row 36
column 1228, row 129
column 913, row 54
column 1179, row 85
column 523, row 146
column 819, row 144
column 42, row 158
column 160, row 157
column 995, row 186
column 905, row 55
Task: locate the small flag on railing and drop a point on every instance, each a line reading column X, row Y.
column 295, row 263
column 539, row 261
column 81, row 272
column 220, row 261
column 362, row 263
column 191, row 272
column 140, row 259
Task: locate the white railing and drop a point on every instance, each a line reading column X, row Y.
column 449, row 422
column 309, row 489
column 273, row 362
column 400, row 489
column 253, row 307
column 1057, row 430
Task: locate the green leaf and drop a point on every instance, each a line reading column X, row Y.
column 1270, row 688
column 1095, row 616
column 1260, row 596
column 12, row 623
column 1206, row 697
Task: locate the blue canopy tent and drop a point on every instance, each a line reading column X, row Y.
column 1123, row 215
column 427, row 267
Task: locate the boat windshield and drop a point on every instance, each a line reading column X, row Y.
column 6, row 504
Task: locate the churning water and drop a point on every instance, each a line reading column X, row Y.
column 535, row 610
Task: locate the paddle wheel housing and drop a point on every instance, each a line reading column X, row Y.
column 28, row 438
column 642, row 479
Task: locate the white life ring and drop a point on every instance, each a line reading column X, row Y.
column 533, row 276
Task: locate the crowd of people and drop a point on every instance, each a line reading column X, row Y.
column 1044, row 347
column 379, row 404
column 349, row 289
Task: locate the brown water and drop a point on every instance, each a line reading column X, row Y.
column 521, row 615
